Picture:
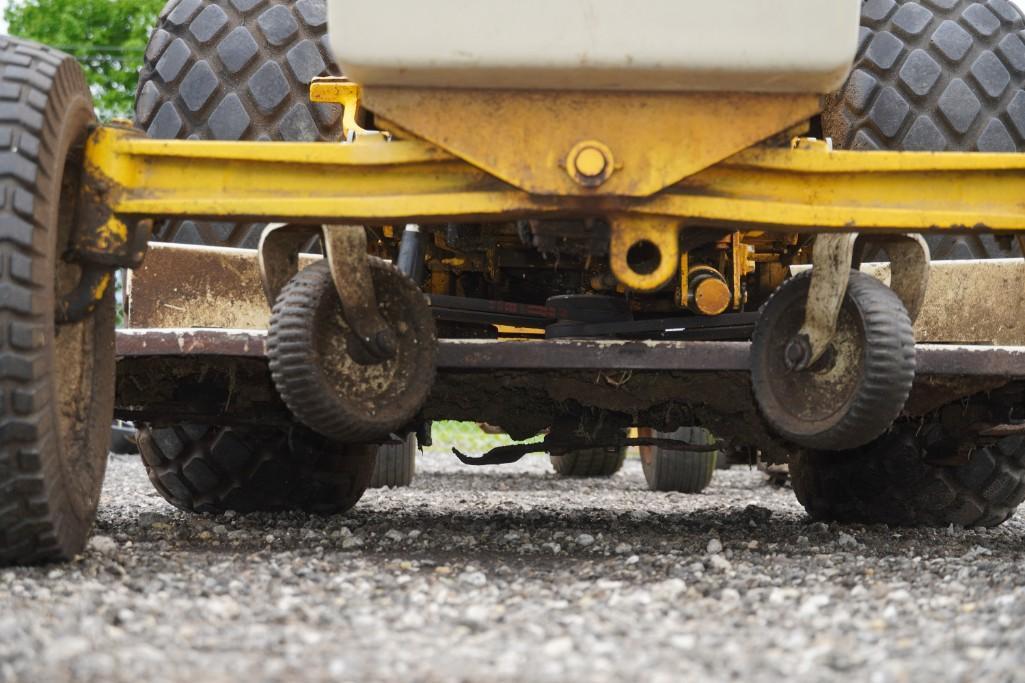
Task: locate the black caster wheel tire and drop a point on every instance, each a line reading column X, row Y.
column 396, row 464
column 213, row 469
column 679, row 471
column 322, row 384
column 57, row 381
column 859, row 386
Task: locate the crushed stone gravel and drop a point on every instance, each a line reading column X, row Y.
column 512, row 574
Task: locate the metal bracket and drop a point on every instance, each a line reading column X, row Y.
column 100, row 242
column 832, row 259
column 346, row 250
column 909, row 269
column 644, row 251
column 340, row 90
column 832, row 255
column 280, row 244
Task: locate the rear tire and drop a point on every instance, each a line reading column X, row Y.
column 935, row 76
column 232, row 70
column 590, row 462
column 396, row 464
column 680, row 471
column 890, row 481
column 56, row 381
column 203, row 468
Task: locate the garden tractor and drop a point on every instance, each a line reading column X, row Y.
column 573, row 218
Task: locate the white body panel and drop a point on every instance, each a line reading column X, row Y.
column 704, row 45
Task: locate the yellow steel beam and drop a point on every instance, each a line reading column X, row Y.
column 803, row 189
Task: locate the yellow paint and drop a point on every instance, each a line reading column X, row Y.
column 766, row 192
column 738, row 261
column 112, row 233
column 526, row 137
column 711, row 296
column 100, row 288
column 590, row 162
column 339, row 90
column 633, row 231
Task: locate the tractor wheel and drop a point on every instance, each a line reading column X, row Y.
column 590, row 462
column 56, row 381
column 396, row 464
column 680, row 471
column 855, row 391
column 203, row 468
column 235, row 70
column 935, row 76
column 894, row 481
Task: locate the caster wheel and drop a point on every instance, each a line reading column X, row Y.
column 339, row 393
column 679, row 471
column 855, row 391
column 57, row 380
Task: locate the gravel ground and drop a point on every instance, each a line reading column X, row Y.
column 511, row 574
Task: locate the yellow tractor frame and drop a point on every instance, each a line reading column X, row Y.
column 788, row 185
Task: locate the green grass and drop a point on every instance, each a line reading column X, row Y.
column 469, row 438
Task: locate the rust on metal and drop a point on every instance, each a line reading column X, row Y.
column 1007, row 362
column 279, row 255
column 346, row 249
column 964, row 302
column 183, row 286
column 191, row 342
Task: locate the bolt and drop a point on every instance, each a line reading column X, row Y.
column 590, row 162
column 797, row 353
column 385, row 345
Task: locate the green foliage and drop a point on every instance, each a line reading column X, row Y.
column 107, row 36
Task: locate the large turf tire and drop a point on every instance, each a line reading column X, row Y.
column 235, row 70
column 890, row 481
column 396, row 464
column 590, row 462
column 680, row 471
column 202, row 468
column 56, row 382
column 932, row 76
column 856, row 398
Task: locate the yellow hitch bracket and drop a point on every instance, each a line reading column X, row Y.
column 644, row 251
column 342, row 91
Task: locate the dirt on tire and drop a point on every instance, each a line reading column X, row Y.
column 57, row 381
